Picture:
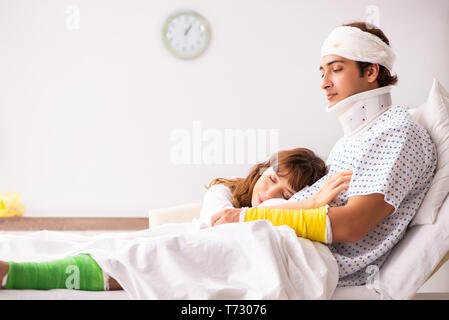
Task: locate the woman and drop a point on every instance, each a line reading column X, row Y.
column 281, row 176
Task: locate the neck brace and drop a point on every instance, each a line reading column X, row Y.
column 358, row 112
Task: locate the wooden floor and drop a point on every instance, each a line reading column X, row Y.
column 72, row 224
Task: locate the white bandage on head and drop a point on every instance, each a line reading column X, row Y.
column 355, row 44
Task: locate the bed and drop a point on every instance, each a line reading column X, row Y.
column 400, row 277
column 417, row 257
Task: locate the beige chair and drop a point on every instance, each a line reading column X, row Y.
column 176, row 214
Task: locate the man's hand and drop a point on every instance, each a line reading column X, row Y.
column 226, row 216
column 333, row 185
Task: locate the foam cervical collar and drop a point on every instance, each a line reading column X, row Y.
column 357, row 112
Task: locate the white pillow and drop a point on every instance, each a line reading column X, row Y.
column 433, row 115
column 415, row 257
column 273, row 202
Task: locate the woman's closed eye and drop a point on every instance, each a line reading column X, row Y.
column 285, row 195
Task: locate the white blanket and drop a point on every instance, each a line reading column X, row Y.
column 252, row 260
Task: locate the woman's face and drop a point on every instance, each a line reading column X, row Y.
column 269, row 186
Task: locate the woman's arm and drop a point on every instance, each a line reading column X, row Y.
column 348, row 223
column 218, row 197
column 307, row 217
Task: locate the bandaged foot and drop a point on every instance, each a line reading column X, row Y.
column 79, row 272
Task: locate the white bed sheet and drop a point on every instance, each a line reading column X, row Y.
column 345, row 293
column 62, row 294
column 210, row 263
column 404, row 272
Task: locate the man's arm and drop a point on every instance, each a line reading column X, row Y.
column 349, row 223
column 360, row 215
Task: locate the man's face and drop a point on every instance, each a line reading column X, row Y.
column 341, row 78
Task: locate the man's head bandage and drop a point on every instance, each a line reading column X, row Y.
column 355, row 44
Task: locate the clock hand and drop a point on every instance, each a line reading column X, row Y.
column 187, row 31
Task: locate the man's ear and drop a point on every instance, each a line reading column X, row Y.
column 372, row 72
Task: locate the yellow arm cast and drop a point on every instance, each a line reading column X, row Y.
column 310, row 223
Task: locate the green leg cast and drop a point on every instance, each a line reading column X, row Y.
column 79, row 272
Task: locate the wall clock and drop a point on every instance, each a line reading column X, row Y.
column 186, row 34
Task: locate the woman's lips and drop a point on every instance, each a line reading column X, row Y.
column 260, row 199
column 331, row 95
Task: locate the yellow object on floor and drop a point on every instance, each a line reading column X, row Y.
column 10, row 205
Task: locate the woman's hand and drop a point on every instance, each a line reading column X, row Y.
column 331, row 187
column 226, row 216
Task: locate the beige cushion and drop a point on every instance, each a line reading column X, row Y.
column 176, row 214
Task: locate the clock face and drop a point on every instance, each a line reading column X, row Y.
column 186, row 34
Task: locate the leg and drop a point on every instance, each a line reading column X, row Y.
column 80, row 272
column 4, row 268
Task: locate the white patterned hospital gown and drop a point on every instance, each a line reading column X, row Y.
column 394, row 157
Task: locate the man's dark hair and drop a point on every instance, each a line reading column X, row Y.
column 384, row 78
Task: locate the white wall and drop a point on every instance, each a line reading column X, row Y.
column 86, row 114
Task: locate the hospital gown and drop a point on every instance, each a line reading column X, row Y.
column 394, row 157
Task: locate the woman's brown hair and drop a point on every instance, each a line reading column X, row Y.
column 384, row 78
column 301, row 166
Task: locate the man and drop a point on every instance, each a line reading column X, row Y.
column 391, row 157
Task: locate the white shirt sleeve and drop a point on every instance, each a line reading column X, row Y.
column 217, row 198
